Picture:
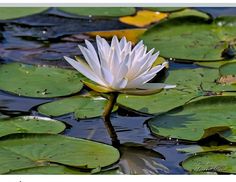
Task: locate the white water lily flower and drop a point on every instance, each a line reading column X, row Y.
column 119, row 68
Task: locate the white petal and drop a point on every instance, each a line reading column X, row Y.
column 84, row 69
column 93, row 63
column 107, row 76
column 138, row 45
column 115, row 44
column 92, row 50
column 123, row 43
column 120, row 85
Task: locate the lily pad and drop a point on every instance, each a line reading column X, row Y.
column 211, row 162
column 99, row 11
column 52, row 169
column 17, row 12
column 199, row 119
column 215, row 64
column 27, row 151
column 30, row 124
column 185, row 38
column 82, row 107
column 190, row 84
column 189, row 12
column 197, row 149
column 164, row 9
column 228, row 69
column 39, row 81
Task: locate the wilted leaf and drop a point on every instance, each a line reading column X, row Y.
column 130, row 34
column 143, row 18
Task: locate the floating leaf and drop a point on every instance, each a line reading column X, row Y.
column 228, row 69
column 196, row 149
column 164, row 9
column 30, row 124
column 185, row 38
column 36, row 81
column 190, row 84
column 17, row 12
column 83, row 107
column 143, row 18
column 189, row 12
column 99, row 11
column 215, row 64
column 212, row 162
column 51, row 169
column 43, row 150
column 130, row 34
column 198, row 120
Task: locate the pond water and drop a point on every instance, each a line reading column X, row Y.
column 45, row 39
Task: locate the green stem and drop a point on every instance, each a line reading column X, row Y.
column 106, row 118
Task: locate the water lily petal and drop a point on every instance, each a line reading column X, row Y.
column 84, row 69
column 123, row 43
column 94, row 65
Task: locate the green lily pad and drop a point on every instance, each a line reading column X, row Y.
column 189, row 12
column 55, row 169
column 215, row 64
column 197, row 149
column 39, row 81
column 228, row 69
column 190, row 84
column 51, row 169
column 30, row 124
column 82, row 107
column 18, row 12
column 199, row 119
column 27, row 151
column 211, row 162
column 99, row 11
column 164, row 9
column 185, row 38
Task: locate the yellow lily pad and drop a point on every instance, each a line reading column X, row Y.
column 143, row 18
column 130, row 34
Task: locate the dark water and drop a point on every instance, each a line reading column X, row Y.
column 45, row 39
